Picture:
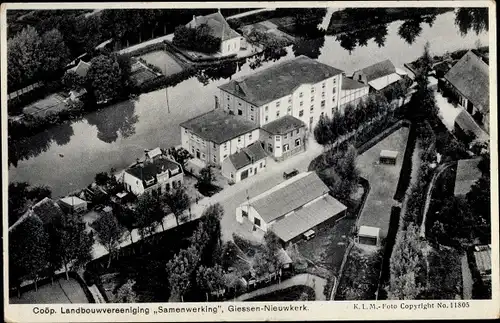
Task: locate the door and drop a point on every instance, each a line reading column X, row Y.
column 244, row 174
column 198, row 154
column 255, row 171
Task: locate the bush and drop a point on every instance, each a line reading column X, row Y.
column 197, row 39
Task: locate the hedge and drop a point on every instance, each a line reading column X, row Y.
column 406, row 167
column 170, row 46
column 366, row 140
column 146, row 49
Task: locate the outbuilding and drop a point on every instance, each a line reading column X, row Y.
column 388, row 157
column 368, row 235
column 73, row 204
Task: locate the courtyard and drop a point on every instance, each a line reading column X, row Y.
column 383, row 180
column 164, row 61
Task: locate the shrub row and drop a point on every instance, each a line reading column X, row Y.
column 406, row 167
column 146, row 49
column 170, row 46
column 17, row 104
column 164, row 81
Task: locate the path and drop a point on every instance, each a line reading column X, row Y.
column 441, row 168
column 315, row 282
column 467, row 280
column 170, row 37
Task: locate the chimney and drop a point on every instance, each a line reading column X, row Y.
column 194, row 21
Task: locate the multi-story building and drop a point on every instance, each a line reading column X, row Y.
column 284, row 137
column 352, row 92
column 302, row 87
column 156, row 175
column 213, row 136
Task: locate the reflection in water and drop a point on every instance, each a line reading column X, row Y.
column 475, row 19
column 410, row 30
column 224, row 70
column 111, row 122
column 308, row 47
column 271, row 54
column 350, row 40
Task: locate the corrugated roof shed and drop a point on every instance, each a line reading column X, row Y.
column 482, row 255
column 279, row 80
column 218, row 126
column 307, row 217
column 289, row 196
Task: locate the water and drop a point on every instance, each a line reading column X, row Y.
column 66, row 157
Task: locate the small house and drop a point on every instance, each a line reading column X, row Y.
column 379, row 76
column 246, row 163
column 368, row 235
column 73, row 204
column 482, row 259
column 388, row 157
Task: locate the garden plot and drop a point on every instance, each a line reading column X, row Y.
column 161, row 59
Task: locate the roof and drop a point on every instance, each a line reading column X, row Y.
column 248, row 155
column 307, row 217
column 465, row 122
column 154, row 152
column 378, row 70
column 388, row 153
column 283, row 257
column 350, row 84
column 368, row 231
column 279, row 80
column 386, row 80
column 482, row 256
column 219, row 126
column 470, row 76
column 81, row 69
column 288, row 196
column 146, row 171
column 72, row 200
column 467, row 174
column 218, row 25
column 283, row 125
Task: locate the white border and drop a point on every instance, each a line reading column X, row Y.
column 318, row 310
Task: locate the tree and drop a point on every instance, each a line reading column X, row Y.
column 72, row 81
column 180, row 270
column 206, row 176
column 23, row 58
column 126, row 293
column 104, row 77
column 210, row 279
column 101, row 178
column 109, row 233
column 180, row 155
column 54, row 54
column 210, row 220
column 178, row 201
column 475, row 19
column 273, row 245
column 322, row 131
column 28, row 250
column 197, row 39
column 423, row 102
column 70, row 245
column 148, row 212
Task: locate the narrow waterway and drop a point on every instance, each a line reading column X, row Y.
column 66, row 157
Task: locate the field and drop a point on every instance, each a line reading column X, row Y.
column 383, row 180
column 46, row 106
column 61, row 292
column 163, row 61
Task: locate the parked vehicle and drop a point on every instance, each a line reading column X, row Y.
column 290, row 174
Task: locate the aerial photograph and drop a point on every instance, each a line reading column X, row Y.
column 248, row 154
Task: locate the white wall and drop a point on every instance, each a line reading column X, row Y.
column 251, row 167
column 136, row 186
column 252, row 214
column 234, row 45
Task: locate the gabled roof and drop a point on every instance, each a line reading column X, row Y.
column 283, row 125
column 288, row 196
column 350, row 84
column 218, row 25
column 378, row 70
column 470, row 76
column 81, row 69
column 482, row 256
column 307, row 217
column 46, row 210
column 367, row 231
column 154, row 153
column 465, row 122
column 279, row 80
column 219, row 126
column 147, row 171
column 467, row 174
column 72, row 200
column 248, row 155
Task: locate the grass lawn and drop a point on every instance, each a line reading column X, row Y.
column 383, row 180
column 62, row 291
column 289, row 294
column 142, row 75
column 163, row 61
column 51, row 104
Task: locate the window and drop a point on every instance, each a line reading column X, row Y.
column 286, row 136
column 311, row 120
column 322, row 103
column 266, row 118
column 312, row 98
column 256, row 221
column 244, row 214
column 214, row 145
column 322, row 113
column 359, row 78
column 298, row 131
column 323, row 94
column 229, row 47
column 215, row 159
column 301, row 94
column 334, row 81
column 334, row 90
column 289, row 110
column 289, row 99
column 260, row 164
column 278, row 104
column 270, row 137
column 333, row 99
column 239, row 104
column 251, row 109
column 228, row 97
column 278, row 138
column 301, row 103
column 250, row 137
column 323, row 85
column 192, row 150
column 239, row 139
column 185, row 131
column 312, row 108
column 251, row 169
column 225, row 156
column 266, row 108
column 225, row 146
column 277, row 114
column 203, row 155
column 301, row 113
column 312, row 89
column 228, row 106
column 297, row 142
column 240, row 112
column 167, row 187
column 251, row 117
column 286, row 147
column 333, row 111
column 270, row 148
column 232, row 175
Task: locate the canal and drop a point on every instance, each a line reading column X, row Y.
column 66, row 157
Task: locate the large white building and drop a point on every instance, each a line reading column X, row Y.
column 231, row 41
column 301, row 87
